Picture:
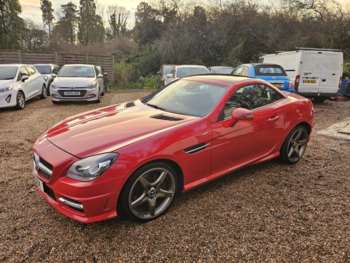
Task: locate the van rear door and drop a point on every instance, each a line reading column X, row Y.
column 320, row 72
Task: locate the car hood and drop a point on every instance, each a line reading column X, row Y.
column 111, row 128
column 73, row 82
column 5, row 83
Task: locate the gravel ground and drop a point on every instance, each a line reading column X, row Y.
column 267, row 213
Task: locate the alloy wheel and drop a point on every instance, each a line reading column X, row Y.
column 297, row 144
column 152, row 193
column 20, row 100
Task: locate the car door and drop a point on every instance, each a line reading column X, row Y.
column 24, row 85
column 37, row 81
column 246, row 141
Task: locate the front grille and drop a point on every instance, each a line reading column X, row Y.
column 42, row 166
column 82, row 93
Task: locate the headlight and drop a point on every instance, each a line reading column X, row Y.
column 92, row 86
column 5, row 89
column 90, row 168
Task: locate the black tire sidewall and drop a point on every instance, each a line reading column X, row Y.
column 20, row 93
column 123, row 202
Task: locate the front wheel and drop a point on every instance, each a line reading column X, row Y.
column 149, row 192
column 20, row 101
column 319, row 99
column 294, row 147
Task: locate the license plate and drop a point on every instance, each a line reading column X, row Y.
column 39, row 184
column 71, row 93
column 309, row 81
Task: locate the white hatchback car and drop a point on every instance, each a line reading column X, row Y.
column 20, row 83
column 77, row 82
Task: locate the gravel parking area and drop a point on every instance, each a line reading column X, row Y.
column 266, row 213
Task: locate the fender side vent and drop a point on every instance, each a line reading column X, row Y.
column 166, row 117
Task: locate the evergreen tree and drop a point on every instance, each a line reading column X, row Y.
column 47, row 14
column 66, row 27
column 11, row 25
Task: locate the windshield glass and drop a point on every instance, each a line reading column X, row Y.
column 76, row 72
column 7, row 73
column 188, row 98
column 273, row 70
column 43, row 69
column 190, row 71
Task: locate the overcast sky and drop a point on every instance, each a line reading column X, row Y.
column 31, row 8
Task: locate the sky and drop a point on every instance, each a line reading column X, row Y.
column 31, row 8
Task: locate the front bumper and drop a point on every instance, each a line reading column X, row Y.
column 98, row 198
column 84, row 94
column 8, row 99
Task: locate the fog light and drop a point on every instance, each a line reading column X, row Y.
column 73, row 204
column 8, row 99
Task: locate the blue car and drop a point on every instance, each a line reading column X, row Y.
column 272, row 73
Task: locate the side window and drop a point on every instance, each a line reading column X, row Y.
column 22, row 71
column 250, row 97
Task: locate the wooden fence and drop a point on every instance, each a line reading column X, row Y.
column 107, row 62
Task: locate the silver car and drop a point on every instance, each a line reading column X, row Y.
column 77, row 82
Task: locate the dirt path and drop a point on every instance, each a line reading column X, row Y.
column 270, row 212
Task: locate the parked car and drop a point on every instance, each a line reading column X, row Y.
column 133, row 158
column 314, row 73
column 49, row 71
column 221, row 70
column 272, row 73
column 20, row 83
column 77, row 82
column 181, row 71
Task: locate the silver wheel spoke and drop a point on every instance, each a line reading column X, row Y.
column 145, row 183
column 139, row 201
column 291, row 151
column 165, row 193
column 160, row 179
column 152, row 206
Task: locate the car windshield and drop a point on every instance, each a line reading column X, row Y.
column 270, row 70
column 76, row 72
column 43, row 69
column 190, row 71
column 188, row 97
column 7, row 73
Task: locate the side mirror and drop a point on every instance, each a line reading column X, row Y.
column 105, row 74
column 24, row 77
column 54, row 75
column 240, row 114
column 100, row 76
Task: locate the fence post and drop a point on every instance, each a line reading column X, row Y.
column 113, row 62
column 19, row 54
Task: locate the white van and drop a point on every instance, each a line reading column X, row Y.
column 313, row 72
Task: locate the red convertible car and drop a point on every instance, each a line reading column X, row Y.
column 132, row 159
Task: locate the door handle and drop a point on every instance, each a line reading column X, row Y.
column 274, row 118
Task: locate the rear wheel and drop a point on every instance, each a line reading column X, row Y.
column 20, row 101
column 149, row 192
column 294, row 147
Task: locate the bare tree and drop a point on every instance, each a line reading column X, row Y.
column 118, row 20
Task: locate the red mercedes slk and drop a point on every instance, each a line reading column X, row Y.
column 132, row 159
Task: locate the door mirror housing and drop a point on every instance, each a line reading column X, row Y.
column 54, row 75
column 240, row 114
column 24, row 77
column 100, row 76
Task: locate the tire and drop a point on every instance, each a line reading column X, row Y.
column 20, row 101
column 294, row 146
column 149, row 192
column 55, row 102
column 319, row 99
column 43, row 92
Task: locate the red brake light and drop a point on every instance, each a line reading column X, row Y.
column 297, row 82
